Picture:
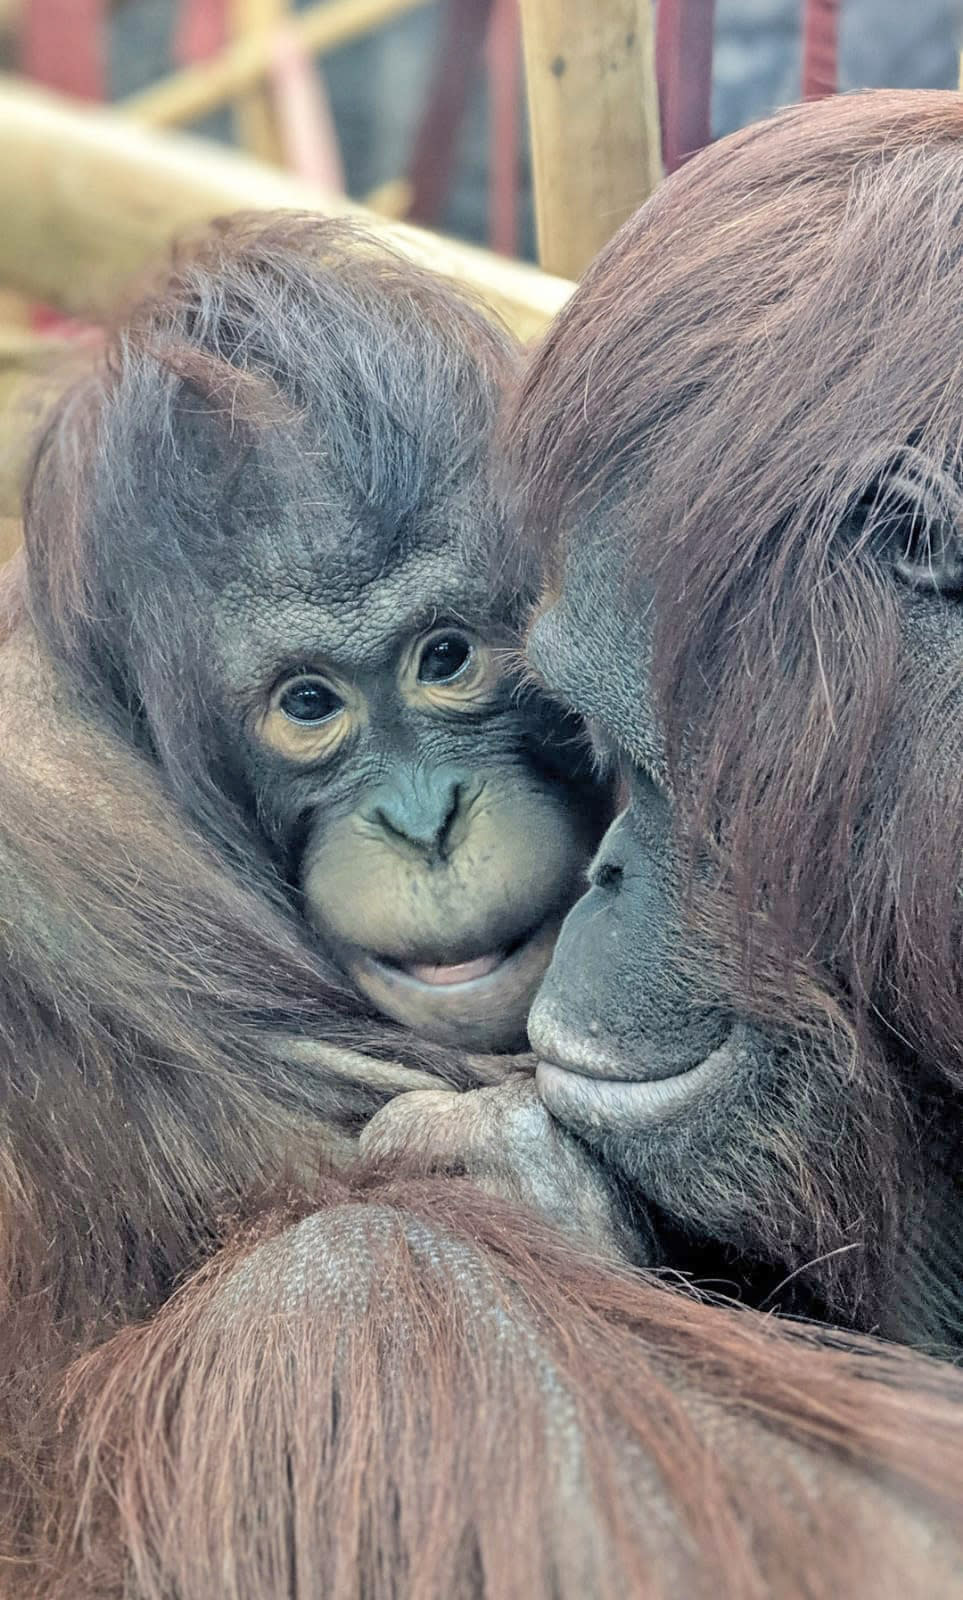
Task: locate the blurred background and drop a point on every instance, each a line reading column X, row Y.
column 420, row 110
column 432, row 112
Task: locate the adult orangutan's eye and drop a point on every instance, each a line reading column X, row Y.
column 309, row 701
column 444, row 657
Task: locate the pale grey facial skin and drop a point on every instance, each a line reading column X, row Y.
column 438, row 831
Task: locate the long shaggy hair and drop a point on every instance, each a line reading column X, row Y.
column 395, row 1386
column 760, row 379
column 772, row 336
column 170, row 1038
column 380, row 1386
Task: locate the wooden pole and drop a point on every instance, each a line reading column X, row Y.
column 89, row 199
column 198, row 90
column 33, row 370
column 10, row 535
column 255, row 123
column 593, row 110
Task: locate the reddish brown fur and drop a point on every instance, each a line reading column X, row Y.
column 872, row 284
column 158, row 1001
column 142, row 1108
column 715, row 1455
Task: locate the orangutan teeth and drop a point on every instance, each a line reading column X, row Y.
column 462, row 972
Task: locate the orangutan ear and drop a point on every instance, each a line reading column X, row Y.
column 918, row 517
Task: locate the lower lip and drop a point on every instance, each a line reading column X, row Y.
column 465, row 977
column 461, row 972
column 608, row 1103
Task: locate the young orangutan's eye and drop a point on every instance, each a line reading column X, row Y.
column 309, row 700
column 444, row 657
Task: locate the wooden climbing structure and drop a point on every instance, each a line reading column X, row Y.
column 617, row 91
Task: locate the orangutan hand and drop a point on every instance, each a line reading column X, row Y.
column 509, row 1145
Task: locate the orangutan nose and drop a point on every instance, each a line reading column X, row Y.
column 418, row 811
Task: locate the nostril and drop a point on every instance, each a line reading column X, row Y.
column 380, row 817
column 420, row 817
column 607, row 875
column 453, row 809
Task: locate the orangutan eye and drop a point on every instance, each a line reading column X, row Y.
column 309, row 701
column 444, row 657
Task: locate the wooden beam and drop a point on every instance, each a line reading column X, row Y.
column 201, row 89
column 391, row 198
column 33, row 371
column 10, row 536
column 89, row 199
column 255, row 124
column 594, row 116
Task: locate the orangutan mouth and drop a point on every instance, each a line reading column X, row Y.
column 477, row 1004
column 460, row 972
column 585, row 1087
column 581, row 1101
column 536, row 944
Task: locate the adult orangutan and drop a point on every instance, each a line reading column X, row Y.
column 380, row 1375
column 741, row 446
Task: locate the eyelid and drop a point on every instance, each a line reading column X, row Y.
column 292, row 671
column 308, row 742
column 286, row 684
column 470, row 688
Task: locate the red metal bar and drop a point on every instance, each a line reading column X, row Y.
column 683, row 61
column 299, row 95
column 458, row 56
column 820, row 72
column 201, row 29
column 63, row 45
column 504, row 52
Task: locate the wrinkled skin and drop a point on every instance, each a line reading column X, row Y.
column 685, row 1098
column 439, row 828
column 505, row 1140
column 299, row 604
